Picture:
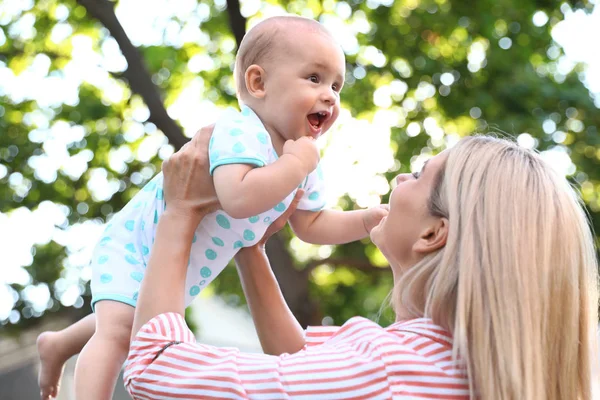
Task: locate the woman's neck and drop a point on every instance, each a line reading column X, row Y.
column 402, row 314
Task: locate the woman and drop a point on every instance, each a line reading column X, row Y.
column 496, row 294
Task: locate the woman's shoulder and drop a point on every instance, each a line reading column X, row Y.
column 412, row 351
column 359, row 329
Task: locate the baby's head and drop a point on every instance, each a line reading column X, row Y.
column 290, row 71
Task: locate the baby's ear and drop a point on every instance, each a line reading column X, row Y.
column 255, row 81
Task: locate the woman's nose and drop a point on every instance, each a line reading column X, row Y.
column 401, row 178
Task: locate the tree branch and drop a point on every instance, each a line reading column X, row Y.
column 360, row 265
column 136, row 74
column 237, row 22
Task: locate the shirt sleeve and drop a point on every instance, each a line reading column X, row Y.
column 314, row 191
column 165, row 362
column 238, row 139
column 317, row 335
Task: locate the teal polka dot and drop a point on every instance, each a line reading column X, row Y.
column 205, row 272
column 159, row 194
column 214, row 155
column 235, row 132
column 262, row 137
column 104, row 241
column 223, row 221
column 150, row 187
column 135, row 296
column 313, row 196
column 238, row 245
column 102, row 259
column 210, row 254
column 246, row 111
column 129, row 225
column 249, row 235
column 156, row 216
column 137, row 276
column 267, row 220
column 280, row 207
column 253, row 219
column 143, row 225
column 130, row 247
column 194, row 290
column 131, row 259
column 138, row 204
column 319, row 172
column 202, row 282
column 218, row 241
column 195, row 239
column 105, row 278
column 238, row 148
column 145, row 250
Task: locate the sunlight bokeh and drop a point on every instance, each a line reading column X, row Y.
column 355, row 152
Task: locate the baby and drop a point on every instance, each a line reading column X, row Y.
column 289, row 74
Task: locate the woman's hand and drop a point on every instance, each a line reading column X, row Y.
column 280, row 222
column 188, row 186
column 275, row 227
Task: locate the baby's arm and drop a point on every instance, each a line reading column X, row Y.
column 245, row 191
column 335, row 227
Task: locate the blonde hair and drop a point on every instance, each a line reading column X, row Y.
column 517, row 282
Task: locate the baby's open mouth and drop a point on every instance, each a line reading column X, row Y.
column 317, row 119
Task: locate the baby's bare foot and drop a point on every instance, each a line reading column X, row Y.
column 52, row 362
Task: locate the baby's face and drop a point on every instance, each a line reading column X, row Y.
column 303, row 86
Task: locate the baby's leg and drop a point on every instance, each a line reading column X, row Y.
column 101, row 359
column 55, row 348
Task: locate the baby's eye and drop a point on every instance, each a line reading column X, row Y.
column 314, row 78
column 416, row 174
column 336, row 87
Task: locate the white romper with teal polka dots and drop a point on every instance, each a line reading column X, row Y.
column 120, row 258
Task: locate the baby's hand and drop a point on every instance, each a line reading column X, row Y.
column 374, row 215
column 305, row 149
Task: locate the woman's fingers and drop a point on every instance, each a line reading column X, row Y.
column 280, row 222
column 202, row 137
column 291, row 209
column 188, row 185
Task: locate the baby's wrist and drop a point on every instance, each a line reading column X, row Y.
column 365, row 217
column 298, row 161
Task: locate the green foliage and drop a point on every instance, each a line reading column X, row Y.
column 514, row 90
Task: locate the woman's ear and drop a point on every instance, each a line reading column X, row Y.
column 433, row 237
column 255, row 81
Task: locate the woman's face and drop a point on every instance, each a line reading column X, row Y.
column 404, row 234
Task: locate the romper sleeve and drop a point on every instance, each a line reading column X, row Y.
column 238, row 139
column 165, row 362
column 314, row 191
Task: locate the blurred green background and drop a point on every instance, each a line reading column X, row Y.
column 94, row 94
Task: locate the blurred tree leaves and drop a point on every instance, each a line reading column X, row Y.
column 444, row 69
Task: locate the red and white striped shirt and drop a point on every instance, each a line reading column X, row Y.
column 359, row 360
